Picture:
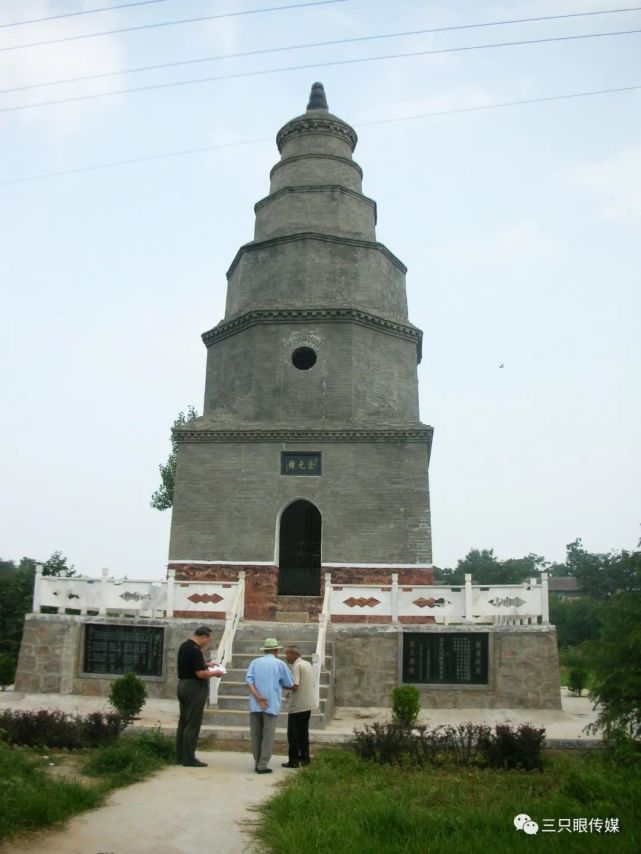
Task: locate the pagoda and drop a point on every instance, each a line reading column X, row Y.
column 310, row 457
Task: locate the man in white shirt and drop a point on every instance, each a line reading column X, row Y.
column 302, row 700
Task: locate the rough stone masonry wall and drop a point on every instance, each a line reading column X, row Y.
column 523, row 669
column 50, row 660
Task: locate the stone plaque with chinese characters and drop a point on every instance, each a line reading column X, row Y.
column 303, row 463
column 116, row 650
column 454, row 659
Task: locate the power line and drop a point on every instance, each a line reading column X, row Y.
column 499, row 105
column 306, row 45
column 314, row 65
column 158, row 24
column 206, row 148
column 81, row 12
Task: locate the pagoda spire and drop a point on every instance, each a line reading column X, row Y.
column 317, row 99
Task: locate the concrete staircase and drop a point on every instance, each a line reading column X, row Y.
column 232, row 713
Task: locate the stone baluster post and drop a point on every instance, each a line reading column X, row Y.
column 104, row 581
column 37, row 582
column 545, row 602
column 241, row 594
column 467, row 617
column 171, row 583
column 395, row 597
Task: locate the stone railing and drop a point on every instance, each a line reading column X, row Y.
column 225, row 648
column 107, row 596
column 504, row 604
column 318, row 657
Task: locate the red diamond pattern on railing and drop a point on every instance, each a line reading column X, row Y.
column 362, row 602
column 200, row 598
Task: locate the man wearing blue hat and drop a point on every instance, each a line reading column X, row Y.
column 266, row 678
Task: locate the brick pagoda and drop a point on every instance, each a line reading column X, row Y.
column 310, row 457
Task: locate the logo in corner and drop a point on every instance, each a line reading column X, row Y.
column 526, row 824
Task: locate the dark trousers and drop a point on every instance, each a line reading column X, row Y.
column 192, row 696
column 298, row 736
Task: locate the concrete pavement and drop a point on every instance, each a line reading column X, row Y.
column 178, row 811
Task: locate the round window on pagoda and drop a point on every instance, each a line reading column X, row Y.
column 303, row 358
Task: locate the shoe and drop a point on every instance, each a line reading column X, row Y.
column 263, row 770
column 305, row 761
column 195, row 764
column 290, row 765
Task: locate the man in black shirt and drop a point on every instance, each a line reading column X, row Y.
column 193, row 680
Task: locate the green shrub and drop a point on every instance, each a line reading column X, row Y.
column 406, row 704
column 465, row 744
column 521, row 747
column 57, row 730
column 391, row 744
column 128, row 695
column 577, row 679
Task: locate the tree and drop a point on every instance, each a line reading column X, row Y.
column 486, row 568
column 16, row 596
column 603, row 575
column 57, row 565
column 163, row 497
column 615, row 659
column 576, row 620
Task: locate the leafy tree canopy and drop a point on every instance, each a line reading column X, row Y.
column 16, row 595
column 602, row 575
column 163, row 497
column 615, row 660
column 486, row 568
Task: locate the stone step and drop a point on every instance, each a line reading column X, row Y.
column 240, row 718
column 250, row 645
column 238, row 688
column 237, row 674
column 293, row 617
column 243, row 659
column 275, row 629
column 241, row 703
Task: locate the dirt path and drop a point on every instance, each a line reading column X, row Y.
column 179, row 811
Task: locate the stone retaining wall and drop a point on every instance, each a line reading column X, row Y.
column 523, row 668
column 50, row 660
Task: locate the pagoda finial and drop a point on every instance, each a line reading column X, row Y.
column 317, row 99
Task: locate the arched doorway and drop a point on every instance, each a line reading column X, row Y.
column 299, row 555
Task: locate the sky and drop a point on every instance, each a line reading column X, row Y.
column 520, row 227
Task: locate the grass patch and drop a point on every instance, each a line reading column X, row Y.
column 31, row 799
column 346, row 805
column 131, row 758
column 34, row 795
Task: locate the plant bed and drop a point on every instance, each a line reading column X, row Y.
column 351, row 805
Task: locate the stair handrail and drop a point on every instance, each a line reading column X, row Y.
column 225, row 647
column 318, row 658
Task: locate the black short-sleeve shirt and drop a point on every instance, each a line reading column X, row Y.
column 190, row 659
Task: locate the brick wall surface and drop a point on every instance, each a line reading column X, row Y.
column 373, row 499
